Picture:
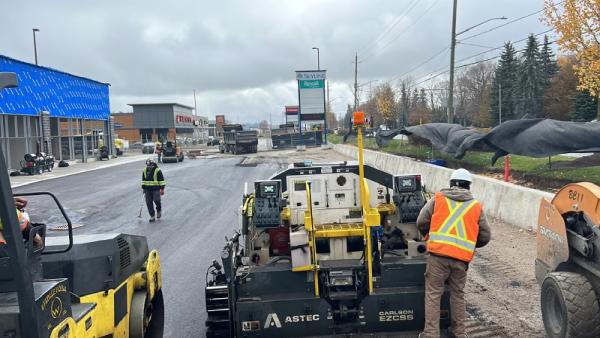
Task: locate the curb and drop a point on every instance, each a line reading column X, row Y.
column 17, row 185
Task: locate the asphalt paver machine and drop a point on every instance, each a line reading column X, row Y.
column 327, row 249
column 107, row 285
column 568, row 261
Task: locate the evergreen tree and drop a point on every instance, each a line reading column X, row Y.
column 550, row 69
column 584, row 107
column 548, row 61
column 423, row 98
column 505, row 78
column 531, row 84
column 404, row 105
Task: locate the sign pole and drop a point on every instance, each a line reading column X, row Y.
column 300, row 115
column 325, row 110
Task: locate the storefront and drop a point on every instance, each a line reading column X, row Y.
column 53, row 112
column 164, row 121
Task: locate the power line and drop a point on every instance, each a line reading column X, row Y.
column 471, row 64
column 482, row 53
column 389, row 28
column 422, row 63
column 473, row 44
column 373, row 51
column 506, row 24
column 500, row 47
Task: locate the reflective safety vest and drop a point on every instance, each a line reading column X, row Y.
column 154, row 182
column 454, row 228
column 23, row 222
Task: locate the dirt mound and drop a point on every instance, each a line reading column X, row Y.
column 582, row 162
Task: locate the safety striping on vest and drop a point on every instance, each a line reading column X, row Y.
column 155, row 182
column 455, row 220
column 461, row 243
column 456, row 213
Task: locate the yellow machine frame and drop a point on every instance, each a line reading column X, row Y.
column 99, row 322
column 371, row 217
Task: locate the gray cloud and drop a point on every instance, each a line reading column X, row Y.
column 239, row 55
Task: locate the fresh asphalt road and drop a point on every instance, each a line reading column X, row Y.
column 200, row 207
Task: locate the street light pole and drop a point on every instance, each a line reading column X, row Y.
column 318, row 58
column 195, row 107
column 452, row 50
column 35, row 46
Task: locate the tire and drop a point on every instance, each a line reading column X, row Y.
column 569, row 306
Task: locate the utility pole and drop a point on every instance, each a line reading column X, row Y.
column 452, row 47
column 355, row 81
column 500, row 102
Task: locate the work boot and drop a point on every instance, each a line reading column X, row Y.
column 158, row 214
column 152, row 219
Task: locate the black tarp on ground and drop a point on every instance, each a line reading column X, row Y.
column 443, row 136
column 528, row 137
column 539, row 138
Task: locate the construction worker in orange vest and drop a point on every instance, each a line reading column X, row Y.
column 454, row 224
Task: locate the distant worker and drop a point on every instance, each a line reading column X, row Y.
column 153, row 183
column 158, row 150
column 454, row 225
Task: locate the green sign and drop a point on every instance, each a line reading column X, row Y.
column 312, row 84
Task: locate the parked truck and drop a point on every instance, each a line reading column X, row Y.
column 237, row 140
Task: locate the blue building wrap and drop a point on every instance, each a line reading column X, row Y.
column 45, row 89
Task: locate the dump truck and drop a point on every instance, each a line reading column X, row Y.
column 324, row 249
column 237, row 140
column 105, row 285
column 567, row 266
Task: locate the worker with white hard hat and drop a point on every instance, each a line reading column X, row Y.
column 454, row 224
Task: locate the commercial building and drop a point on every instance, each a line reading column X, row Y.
column 124, row 128
column 161, row 121
column 52, row 111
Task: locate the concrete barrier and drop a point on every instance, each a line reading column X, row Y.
column 509, row 202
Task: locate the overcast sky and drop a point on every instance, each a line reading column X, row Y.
column 240, row 56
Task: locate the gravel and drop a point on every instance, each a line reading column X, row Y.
column 501, row 288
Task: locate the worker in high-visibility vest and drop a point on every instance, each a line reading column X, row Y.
column 21, row 216
column 454, row 224
column 153, row 183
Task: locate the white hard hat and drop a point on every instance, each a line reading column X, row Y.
column 462, row 175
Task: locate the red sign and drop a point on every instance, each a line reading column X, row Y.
column 183, row 119
column 220, row 119
column 291, row 110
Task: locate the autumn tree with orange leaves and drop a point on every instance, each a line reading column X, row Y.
column 578, row 25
